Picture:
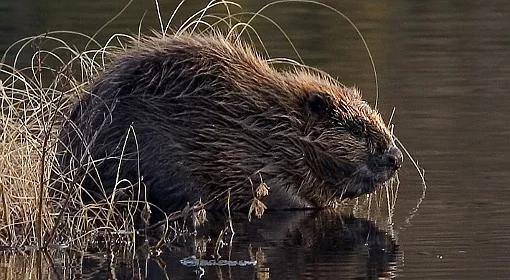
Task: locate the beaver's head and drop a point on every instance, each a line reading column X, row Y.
column 347, row 147
column 227, row 116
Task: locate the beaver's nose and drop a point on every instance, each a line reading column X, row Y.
column 392, row 158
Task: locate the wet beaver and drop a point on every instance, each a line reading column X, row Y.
column 190, row 116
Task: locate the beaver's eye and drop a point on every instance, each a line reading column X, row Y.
column 358, row 129
column 317, row 105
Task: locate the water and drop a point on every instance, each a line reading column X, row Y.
column 444, row 66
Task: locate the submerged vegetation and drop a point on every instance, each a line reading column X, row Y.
column 41, row 77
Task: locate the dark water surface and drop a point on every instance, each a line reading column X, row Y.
column 444, row 66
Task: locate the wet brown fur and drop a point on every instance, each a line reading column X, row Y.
column 210, row 114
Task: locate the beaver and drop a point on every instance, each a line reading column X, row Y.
column 190, row 116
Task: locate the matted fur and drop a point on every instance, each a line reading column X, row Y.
column 189, row 116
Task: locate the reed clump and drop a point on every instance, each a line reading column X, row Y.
column 36, row 94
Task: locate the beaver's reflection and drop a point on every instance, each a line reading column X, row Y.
column 291, row 245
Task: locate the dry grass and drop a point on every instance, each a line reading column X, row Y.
column 34, row 100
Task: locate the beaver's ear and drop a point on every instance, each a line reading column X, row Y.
column 317, row 106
